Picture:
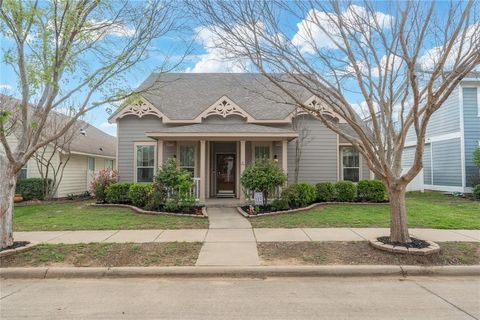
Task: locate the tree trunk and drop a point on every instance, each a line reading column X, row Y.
column 398, row 215
column 8, row 181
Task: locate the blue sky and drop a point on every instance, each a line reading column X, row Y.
column 202, row 59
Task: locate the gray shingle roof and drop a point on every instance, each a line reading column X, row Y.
column 185, row 95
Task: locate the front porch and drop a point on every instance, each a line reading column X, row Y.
column 217, row 162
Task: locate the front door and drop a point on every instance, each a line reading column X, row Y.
column 225, row 169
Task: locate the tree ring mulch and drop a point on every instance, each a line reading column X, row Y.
column 416, row 247
column 16, row 247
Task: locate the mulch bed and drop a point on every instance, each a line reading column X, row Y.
column 106, row 255
column 358, row 253
column 15, row 245
column 416, row 243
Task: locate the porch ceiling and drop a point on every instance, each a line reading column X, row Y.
column 246, row 130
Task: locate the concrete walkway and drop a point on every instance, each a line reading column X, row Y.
column 230, row 240
column 233, row 228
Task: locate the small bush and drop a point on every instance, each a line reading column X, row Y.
column 139, row 194
column 476, row 192
column 325, row 191
column 32, row 188
column 280, row 204
column 100, row 182
column 299, row 194
column 371, row 191
column 118, row 192
column 345, row 191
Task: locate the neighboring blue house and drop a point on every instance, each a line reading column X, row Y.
column 452, row 136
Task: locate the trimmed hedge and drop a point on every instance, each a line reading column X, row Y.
column 325, row 191
column 32, row 188
column 345, row 191
column 139, row 194
column 371, row 191
column 476, row 192
column 118, row 192
column 300, row 194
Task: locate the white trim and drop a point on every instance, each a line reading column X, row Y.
column 224, row 107
column 359, row 163
column 220, row 136
column 92, row 155
column 442, row 137
column 144, row 143
column 139, row 109
column 105, row 163
column 338, row 157
column 313, row 103
column 268, row 144
column 462, row 136
column 447, row 188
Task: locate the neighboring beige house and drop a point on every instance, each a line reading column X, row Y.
column 91, row 150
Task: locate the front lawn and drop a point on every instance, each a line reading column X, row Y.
column 425, row 210
column 106, row 255
column 80, row 216
column 323, row 253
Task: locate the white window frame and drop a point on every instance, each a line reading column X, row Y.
column 268, row 144
column 359, row 163
column 195, row 157
column 94, row 164
column 144, row 143
column 25, row 167
column 105, row 164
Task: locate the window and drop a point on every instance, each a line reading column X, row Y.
column 23, row 172
column 262, row 152
column 145, row 162
column 350, row 164
column 108, row 164
column 187, row 157
column 91, row 164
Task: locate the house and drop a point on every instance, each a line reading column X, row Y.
column 87, row 151
column 452, row 136
column 217, row 124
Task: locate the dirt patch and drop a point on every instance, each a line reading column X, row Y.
column 356, row 253
column 106, row 255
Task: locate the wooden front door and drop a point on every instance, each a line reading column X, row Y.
column 225, row 170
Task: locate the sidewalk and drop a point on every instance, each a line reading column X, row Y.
column 237, row 235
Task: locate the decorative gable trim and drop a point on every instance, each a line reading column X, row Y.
column 324, row 109
column 140, row 109
column 224, row 107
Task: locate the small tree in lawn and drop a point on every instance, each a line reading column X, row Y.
column 263, row 176
column 476, row 157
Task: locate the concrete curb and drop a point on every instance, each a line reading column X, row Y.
column 238, row 272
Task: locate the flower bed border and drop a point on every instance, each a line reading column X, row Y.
column 10, row 252
column 431, row 249
column 204, row 214
column 313, row 205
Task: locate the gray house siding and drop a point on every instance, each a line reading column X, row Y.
column 447, row 163
column 132, row 129
column 408, row 157
column 471, row 115
column 319, row 158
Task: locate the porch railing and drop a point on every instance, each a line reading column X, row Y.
column 194, row 190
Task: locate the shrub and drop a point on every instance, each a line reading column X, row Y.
column 32, row 188
column 371, row 190
column 476, row 157
column 345, row 191
column 299, row 194
column 325, row 191
column 280, row 204
column 476, row 192
column 263, row 176
column 118, row 192
column 139, row 194
column 100, row 182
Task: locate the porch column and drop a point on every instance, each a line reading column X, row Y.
column 242, row 166
column 203, row 180
column 159, row 153
column 285, row 156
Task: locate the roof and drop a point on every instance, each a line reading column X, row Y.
column 88, row 140
column 183, row 96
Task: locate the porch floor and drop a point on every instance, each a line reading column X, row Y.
column 223, row 202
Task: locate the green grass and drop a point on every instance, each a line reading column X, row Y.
column 81, row 216
column 427, row 210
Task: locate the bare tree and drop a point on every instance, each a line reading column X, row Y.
column 63, row 51
column 404, row 62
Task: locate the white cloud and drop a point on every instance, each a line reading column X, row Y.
column 431, row 57
column 108, row 28
column 318, row 28
column 110, row 128
column 5, row 87
column 217, row 58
